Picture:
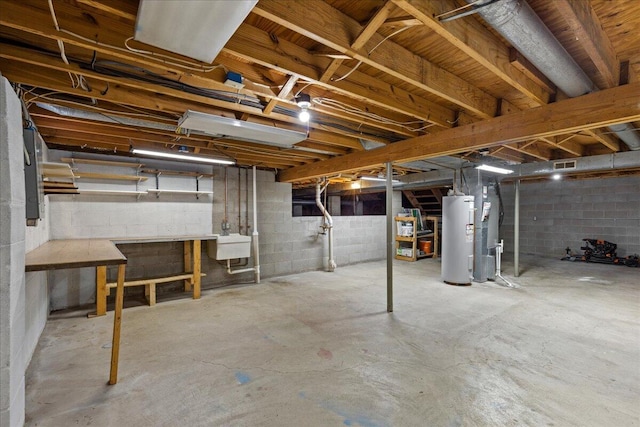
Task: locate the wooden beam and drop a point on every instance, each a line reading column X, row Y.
column 112, row 32
column 332, row 28
column 586, row 26
column 122, row 8
column 367, row 32
column 606, row 139
column 531, row 149
column 472, row 38
column 564, row 143
column 592, row 111
column 403, row 21
column 284, row 92
column 521, row 63
column 257, row 46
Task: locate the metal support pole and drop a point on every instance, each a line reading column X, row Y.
column 516, row 232
column 255, row 238
column 390, row 244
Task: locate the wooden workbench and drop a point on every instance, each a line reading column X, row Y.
column 59, row 254
column 192, row 257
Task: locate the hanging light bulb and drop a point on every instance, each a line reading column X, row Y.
column 304, row 115
column 304, row 102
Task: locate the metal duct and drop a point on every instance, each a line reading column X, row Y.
column 520, row 26
column 602, row 162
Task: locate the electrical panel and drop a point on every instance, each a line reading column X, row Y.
column 34, row 191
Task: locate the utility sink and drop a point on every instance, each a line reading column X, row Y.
column 229, row 247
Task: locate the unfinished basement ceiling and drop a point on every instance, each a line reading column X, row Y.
column 385, row 72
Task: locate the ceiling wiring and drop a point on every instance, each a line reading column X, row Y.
column 332, row 103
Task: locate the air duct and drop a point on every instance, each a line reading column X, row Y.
column 520, row 26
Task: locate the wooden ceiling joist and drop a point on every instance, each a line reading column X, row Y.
column 471, row 38
column 592, row 111
column 587, row 28
column 334, row 29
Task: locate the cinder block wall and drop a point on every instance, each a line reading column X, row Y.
column 23, row 297
column 557, row 214
column 287, row 245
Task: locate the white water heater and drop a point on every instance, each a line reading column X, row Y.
column 457, row 239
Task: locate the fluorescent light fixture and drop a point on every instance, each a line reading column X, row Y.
column 198, row 29
column 556, row 176
column 355, row 185
column 239, row 129
column 488, row 168
column 375, row 178
column 167, row 155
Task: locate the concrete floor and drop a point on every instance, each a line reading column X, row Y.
column 318, row 349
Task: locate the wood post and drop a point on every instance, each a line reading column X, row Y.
column 187, row 265
column 101, row 290
column 197, row 253
column 117, row 320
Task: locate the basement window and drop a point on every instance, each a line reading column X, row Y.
column 340, row 204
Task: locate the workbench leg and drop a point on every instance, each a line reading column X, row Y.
column 197, row 268
column 101, row 290
column 117, row 320
column 150, row 293
column 187, row 264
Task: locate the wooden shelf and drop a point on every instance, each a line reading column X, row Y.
column 72, row 160
column 151, row 190
column 56, row 170
column 114, row 192
column 172, row 172
column 401, row 241
column 95, row 175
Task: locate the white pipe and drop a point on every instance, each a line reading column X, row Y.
column 327, row 216
column 255, row 240
column 241, row 270
column 499, row 251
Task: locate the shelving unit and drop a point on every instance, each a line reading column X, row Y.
column 66, row 170
column 197, row 175
column 409, row 244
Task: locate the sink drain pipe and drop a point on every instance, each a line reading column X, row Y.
column 254, row 240
column 329, row 224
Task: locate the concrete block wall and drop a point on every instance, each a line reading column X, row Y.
column 557, row 214
column 95, row 216
column 23, row 303
column 287, row 245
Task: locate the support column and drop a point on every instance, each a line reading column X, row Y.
column 390, row 243
column 516, row 231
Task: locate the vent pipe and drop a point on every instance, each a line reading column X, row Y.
column 520, row 26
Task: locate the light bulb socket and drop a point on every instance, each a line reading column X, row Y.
column 303, row 100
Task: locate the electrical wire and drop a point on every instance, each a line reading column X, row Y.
column 339, row 105
column 147, row 54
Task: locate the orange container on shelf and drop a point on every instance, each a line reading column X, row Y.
column 425, row 246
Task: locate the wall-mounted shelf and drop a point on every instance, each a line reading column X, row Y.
column 73, row 160
column 181, row 173
column 114, row 192
column 95, row 175
column 198, row 193
column 197, row 175
column 56, row 170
